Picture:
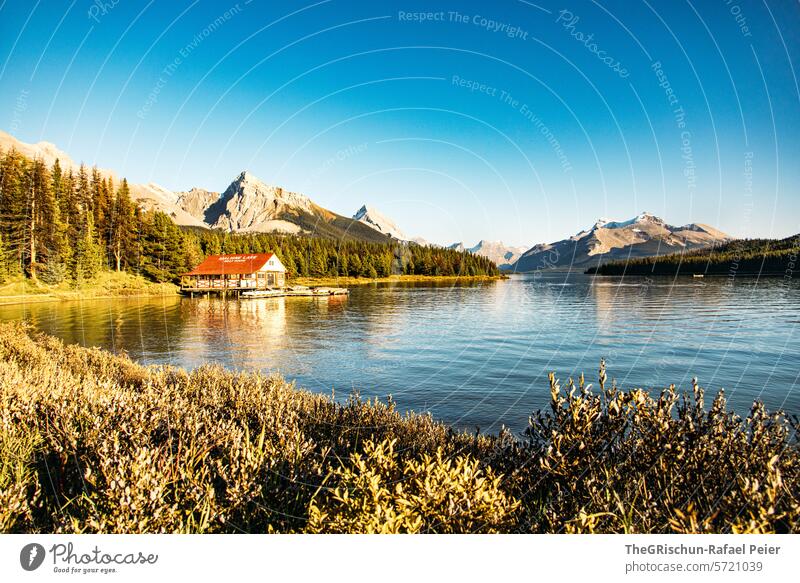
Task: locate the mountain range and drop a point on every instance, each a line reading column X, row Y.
column 250, row 205
column 247, row 205
column 501, row 254
column 645, row 235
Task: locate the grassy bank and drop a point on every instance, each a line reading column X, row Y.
column 348, row 281
column 107, row 284
column 92, row 442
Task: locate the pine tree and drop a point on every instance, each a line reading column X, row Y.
column 41, row 216
column 4, row 273
column 120, row 226
column 317, row 264
column 83, row 193
column 162, row 248
column 88, row 255
column 12, row 208
column 58, row 230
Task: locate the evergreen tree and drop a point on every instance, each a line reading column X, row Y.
column 120, row 226
column 59, row 224
column 88, row 260
column 41, row 219
column 4, row 272
column 83, row 193
column 13, row 211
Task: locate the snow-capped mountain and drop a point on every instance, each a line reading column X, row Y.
column 645, row 235
column 502, row 255
column 457, row 246
column 373, row 218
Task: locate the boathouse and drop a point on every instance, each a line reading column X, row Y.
column 235, row 273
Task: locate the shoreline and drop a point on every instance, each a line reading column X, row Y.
column 151, row 289
column 345, row 281
column 107, row 285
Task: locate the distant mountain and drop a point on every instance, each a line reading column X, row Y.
column 373, row 218
column 502, row 255
column 643, row 236
column 148, row 196
column 250, row 205
column 737, row 258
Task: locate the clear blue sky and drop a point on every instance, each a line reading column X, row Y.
column 354, row 102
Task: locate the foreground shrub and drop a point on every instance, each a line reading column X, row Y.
column 92, row 442
column 619, row 461
column 377, row 493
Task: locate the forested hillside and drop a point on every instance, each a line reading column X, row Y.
column 62, row 226
column 740, row 257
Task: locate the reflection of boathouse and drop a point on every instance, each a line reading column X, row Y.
column 235, row 273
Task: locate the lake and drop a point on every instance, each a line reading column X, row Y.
column 474, row 354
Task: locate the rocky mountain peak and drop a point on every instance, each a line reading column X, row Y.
column 373, row 218
column 502, row 255
column 248, row 204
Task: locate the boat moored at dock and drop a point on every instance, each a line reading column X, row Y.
column 295, row 291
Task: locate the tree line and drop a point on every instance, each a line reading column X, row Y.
column 739, row 257
column 62, row 225
column 312, row 256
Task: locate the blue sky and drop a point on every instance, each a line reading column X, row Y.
column 507, row 120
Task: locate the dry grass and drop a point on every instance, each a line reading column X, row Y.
column 92, row 442
column 107, row 284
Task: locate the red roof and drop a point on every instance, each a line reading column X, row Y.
column 231, row 264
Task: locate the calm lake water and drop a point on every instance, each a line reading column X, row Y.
column 474, row 354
